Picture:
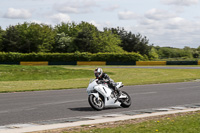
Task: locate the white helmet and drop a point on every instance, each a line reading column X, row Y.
column 98, row 72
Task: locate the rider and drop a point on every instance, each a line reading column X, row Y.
column 100, row 75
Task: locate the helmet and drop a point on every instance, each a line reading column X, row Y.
column 98, row 72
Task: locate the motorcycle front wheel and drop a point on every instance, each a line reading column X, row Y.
column 125, row 102
column 96, row 103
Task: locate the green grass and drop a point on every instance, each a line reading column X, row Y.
column 21, row 73
column 179, row 124
column 15, row 78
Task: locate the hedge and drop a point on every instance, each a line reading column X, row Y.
column 69, row 57
column 182, row 62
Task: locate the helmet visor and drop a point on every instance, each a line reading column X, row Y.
column 97, row 74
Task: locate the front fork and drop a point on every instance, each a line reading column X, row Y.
column 97, row 99
column 95, row 94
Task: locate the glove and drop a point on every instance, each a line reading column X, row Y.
column 100, row 81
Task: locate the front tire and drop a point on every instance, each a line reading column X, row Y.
column 125, row 103
column 95, row 103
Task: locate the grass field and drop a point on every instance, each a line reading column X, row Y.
column 15, row 78
column 22, row 73
column 181, row 123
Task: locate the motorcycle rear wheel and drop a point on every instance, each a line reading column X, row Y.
column 96, row 103
column 125, row 103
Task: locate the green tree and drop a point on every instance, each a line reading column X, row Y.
column 90, row 39
column 70, row 29
column 196, row 52
column 10, row 40
column 132, row 42
column 169, row 52
column 62, row 43
column 198, row 49
column 84, row 40
column 106, row 42
column 40, row 37
column 153, row 54
column 85, row 37
column 188, row 52
column 2, row 32
column 29, row 37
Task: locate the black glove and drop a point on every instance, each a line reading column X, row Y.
column 100, row 81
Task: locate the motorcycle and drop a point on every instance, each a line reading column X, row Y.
column 100, row 95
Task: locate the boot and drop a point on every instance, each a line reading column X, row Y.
column 118, row 92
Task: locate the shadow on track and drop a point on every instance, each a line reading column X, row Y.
column 87, row 109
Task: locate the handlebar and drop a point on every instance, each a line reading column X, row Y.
column 102, row 81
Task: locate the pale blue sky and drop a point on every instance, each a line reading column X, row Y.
column 174, row 23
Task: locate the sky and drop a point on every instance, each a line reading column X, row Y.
column 165, row 23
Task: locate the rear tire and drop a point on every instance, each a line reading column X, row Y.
column 125, row 103
column 95, row 103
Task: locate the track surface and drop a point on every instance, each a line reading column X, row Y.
column 48, row 105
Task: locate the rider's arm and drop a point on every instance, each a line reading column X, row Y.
column 107, row 78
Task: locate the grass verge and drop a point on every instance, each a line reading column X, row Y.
column 14, row 78
column 176, row 123
column 188, row 122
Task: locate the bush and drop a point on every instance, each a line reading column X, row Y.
column 122, row 57
column 117, row 57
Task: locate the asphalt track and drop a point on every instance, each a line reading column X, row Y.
column 38, row 106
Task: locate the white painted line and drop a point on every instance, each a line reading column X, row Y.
column 178, row 108
column 164, row 109
column 89, row 122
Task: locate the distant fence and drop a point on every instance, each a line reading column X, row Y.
column 137, row 63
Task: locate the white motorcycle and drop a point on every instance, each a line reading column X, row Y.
column 100, row 95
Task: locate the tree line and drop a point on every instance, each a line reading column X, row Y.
column 68, row 38
column 83, row 37
column 178, row 53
